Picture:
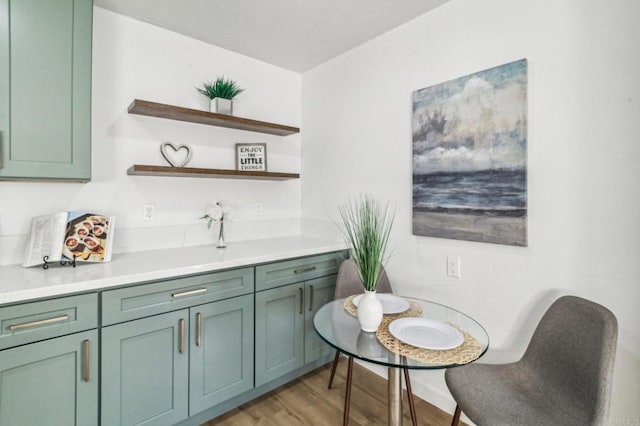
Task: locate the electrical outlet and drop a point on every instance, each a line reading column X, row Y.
column 257, row 206
column 453, row 266
column 149, row 212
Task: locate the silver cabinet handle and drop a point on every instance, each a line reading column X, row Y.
column 37, row 323
column 199, row 329
column 300, row 271
column 189, row 293
column 181, row 348
column 301, row 300
column 86, row 353
column 311, row 298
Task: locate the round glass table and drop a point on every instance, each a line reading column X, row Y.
column 340, row 329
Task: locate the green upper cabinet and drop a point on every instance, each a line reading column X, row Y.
column 45, row 89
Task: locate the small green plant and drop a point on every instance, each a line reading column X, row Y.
column 221, row 88
column 367, row 225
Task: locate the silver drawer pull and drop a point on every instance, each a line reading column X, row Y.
column 198, row 329
column 301, row 300
column 189, row 293
column 300, row 271
column 181, row 344
column 87, row 368
column 38, row 323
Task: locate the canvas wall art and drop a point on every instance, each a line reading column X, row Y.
column 470, row 157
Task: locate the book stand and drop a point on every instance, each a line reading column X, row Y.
column 71, row 262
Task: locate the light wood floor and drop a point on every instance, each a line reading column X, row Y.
column 307, row 401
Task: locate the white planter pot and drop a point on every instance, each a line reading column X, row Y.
column 221, row 106
column 369, row 312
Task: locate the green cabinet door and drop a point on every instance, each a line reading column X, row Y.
column 318, row 292
column 53, row 382
column 45, row 89
column 145, row 371
column 279, row 332
column 221, row 351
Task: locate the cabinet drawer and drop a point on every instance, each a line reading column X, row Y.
column 164, row 296
column 292, row 271
column 30, row 322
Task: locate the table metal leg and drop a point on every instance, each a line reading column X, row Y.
column 395, row 397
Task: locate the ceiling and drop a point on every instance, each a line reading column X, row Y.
column 293, row 34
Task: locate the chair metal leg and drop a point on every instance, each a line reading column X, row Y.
column 347, row 393
column 412, row 407
column 333, row 368
column 456, row 416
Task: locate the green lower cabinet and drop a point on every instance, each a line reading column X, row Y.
column 145, row 371
column 53, row 382
column 161, row 369
column 285, row 338
column 318, row 292
column 279, row 332
column 221, row 351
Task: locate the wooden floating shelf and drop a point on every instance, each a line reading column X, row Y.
column 171, row 112
column 144, row 170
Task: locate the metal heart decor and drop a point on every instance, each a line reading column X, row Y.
column 166, row 154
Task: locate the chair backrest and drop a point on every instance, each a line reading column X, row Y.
column 574, row 346
column 348, row 281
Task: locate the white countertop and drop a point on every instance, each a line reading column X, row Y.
column 21, row 284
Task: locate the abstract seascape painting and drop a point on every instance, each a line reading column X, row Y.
column 470, row 157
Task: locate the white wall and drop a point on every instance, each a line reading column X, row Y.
column 583, row 175
column 132, row 60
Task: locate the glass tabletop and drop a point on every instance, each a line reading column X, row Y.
column 342, row 331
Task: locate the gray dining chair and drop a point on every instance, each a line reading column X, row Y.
column 348, row 283
column 563, row 378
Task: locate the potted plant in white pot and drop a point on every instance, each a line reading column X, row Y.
column 367, row 225
column 221, row 94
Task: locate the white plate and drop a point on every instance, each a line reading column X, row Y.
column 426, row 333
column 390, row 304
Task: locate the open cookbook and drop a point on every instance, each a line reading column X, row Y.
column 65, row 236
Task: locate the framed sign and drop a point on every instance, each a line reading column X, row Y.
column 251, row 157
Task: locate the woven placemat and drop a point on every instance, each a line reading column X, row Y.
column 414, row 309
column 468, row 351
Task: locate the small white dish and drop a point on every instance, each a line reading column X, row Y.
column 390, row 304
column 426, row 333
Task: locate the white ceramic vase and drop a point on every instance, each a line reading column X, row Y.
column 221, row 106
column 369, row 312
